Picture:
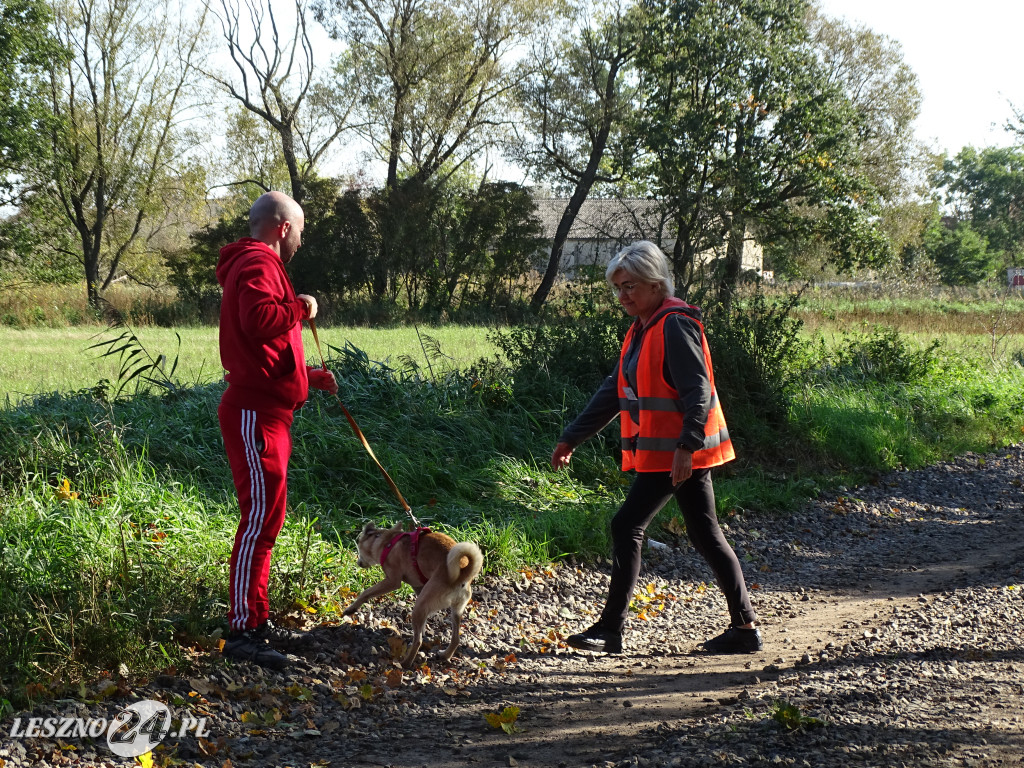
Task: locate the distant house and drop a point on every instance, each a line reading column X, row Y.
column 603, row 226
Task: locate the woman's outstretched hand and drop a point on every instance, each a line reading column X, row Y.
column 560, row 457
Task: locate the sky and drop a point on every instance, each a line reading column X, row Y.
column 967, row 57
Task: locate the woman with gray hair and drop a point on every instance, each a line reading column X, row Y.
column 673, row 432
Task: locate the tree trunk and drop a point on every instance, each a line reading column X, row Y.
column 735, row 224
column 579, row 196
column 92, row 276
column 555, row 257
column 395, row 138
column 294, row 175
column 733, row 267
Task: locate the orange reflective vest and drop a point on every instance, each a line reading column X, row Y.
column 650, row 445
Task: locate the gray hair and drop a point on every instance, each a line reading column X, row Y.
column 646, row 261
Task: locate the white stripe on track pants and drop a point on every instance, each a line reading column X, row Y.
column 258, row 447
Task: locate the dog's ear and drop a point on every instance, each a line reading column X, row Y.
column 367, row 530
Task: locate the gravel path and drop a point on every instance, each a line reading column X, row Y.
column 891, row 615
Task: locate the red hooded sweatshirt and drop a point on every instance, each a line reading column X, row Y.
column 261, row 331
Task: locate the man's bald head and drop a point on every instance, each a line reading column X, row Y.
column 278, row 221
column 270, row 210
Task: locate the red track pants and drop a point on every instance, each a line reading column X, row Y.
column 258, row 448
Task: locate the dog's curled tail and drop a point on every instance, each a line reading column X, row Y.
column 464, row 562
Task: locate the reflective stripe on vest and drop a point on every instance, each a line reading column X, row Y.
column 650, row 446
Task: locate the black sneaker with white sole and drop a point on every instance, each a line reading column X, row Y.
column 248, row 646
column 597, row 638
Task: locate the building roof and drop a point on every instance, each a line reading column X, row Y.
column 618, row 219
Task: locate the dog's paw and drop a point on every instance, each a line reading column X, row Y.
column 349, row 612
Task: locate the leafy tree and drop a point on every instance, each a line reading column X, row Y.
column 446, row 246
column 430, row 76
column 497, row 235
column 511, row 217
column 253, row 160
column 28, row 52
column 960, row 253
column 335, row 248
column 431, row 82
column 869, row 69
column 449, row 243
column 274, row 79
column 744, row 133
column 24, row 258
column 115, row 172
column 1015, row 125
column 985, row 188
column 906, row 225
column 575, row 98
column 193, row 270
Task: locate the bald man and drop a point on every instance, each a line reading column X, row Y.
column 268, row 380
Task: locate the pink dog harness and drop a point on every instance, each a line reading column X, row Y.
column 414, row 544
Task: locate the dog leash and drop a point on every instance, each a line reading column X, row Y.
column 362, row 437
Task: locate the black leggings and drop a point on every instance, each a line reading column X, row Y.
column 696, row 499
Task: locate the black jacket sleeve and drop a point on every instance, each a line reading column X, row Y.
column 687, row 372
column 602, row 408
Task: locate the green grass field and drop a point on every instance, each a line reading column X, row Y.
column 44, row 359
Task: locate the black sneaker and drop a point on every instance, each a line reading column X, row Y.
column 247, row 646
column 281, row 638
column 735, row 640
column 597, row 638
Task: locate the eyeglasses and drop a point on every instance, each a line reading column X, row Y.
column 625, row 287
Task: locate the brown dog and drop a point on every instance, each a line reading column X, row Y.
column 438, row 569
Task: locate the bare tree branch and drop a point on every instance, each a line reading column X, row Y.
column 275, row 81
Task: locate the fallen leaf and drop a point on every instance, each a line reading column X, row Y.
column 64, row 492
column 397, row 647
column 506, row 719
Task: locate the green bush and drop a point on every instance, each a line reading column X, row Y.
column 575, row 342
column 757, row 354
column 73, row 315
column 885, row 356
column 561, row 358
